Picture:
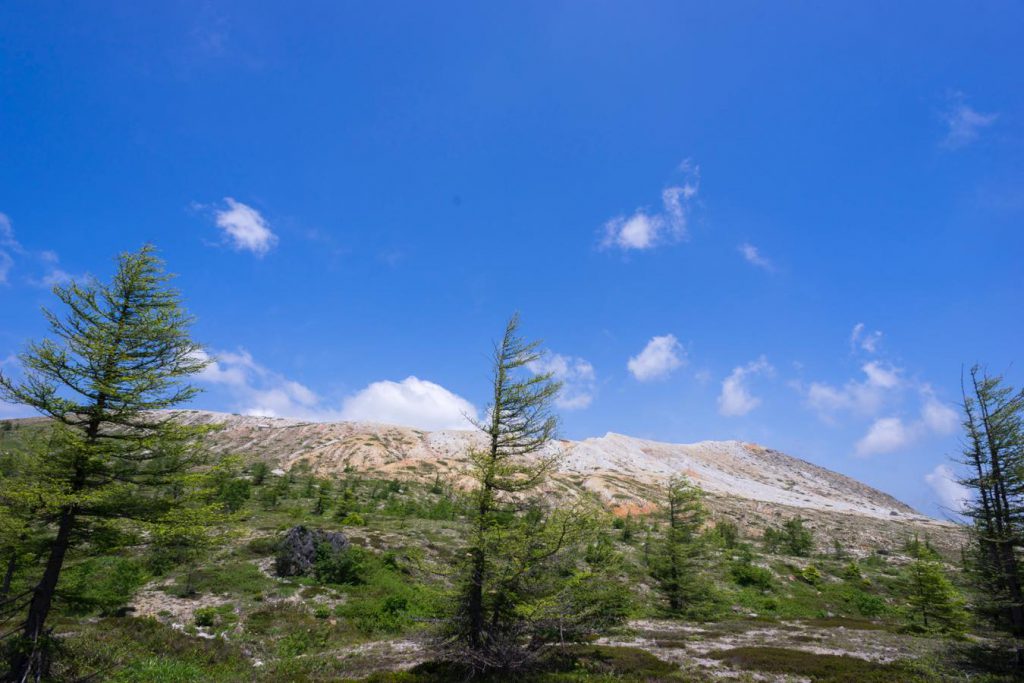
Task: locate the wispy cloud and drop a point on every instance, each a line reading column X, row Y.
column 49, row 261
column 736, row 398
column 7, row 245
column 863, row 397
column 893, row 433
column 245, row 228
column 579, row 381
column 952, row 495
column 644, row 229
column 753, row 256
column 658, row 359
column 860, row 338
column 963, row 123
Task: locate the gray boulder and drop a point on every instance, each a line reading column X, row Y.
column 296, row 554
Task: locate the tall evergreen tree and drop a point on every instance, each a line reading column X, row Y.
column 513, row 534
column 994, row 456
column 676, row 565
column 119, row 355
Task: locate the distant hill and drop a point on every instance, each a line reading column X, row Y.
column 754, row 486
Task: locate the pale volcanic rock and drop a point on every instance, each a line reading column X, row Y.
column 748, row 483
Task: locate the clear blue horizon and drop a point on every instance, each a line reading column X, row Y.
column 790, row 225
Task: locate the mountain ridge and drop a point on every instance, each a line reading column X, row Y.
column 752, row 485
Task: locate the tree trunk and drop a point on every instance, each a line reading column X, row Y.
column 26, row 661
column 12, row 565
column 476, row 599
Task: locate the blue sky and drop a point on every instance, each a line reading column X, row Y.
column 788, row 225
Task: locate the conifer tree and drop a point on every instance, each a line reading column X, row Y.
column 676, row 565
column 993, row 454
column 934, row 604
column 513, row 534
column 118, row 355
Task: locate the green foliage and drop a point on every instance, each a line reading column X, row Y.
column 228, row 578
column 993, row 457
column 676, row 563
column 258, row 472
column 818, row 667
column 793, row 539
column 933, row 602
column 851, row 572
column 353, row 519
column 915, row 548
column 386, row 601
column 725, row 534
column 269, row 497
column 811, row 575
column 205, row 616
column 747, row 574
column 345, row 567
column 101, row 583
column 120, row 353
column 507, row 598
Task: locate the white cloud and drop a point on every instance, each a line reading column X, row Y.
column 7, row 233
column 6, row 264
column 413, row 402
column 260, row 391
column 53, row 274
column 963, row 123
column 864, row 397
column 936, row 416
column 882, row 397
column 644, row 230
column 736, row 398
column 752, row 255
column 953, row 495
column 889, row 434
column 885, row 435
column 867, row 341
column 257, row 390
column 7, row 244
column 576, row 375
column 245, row 227
column 660, row 357
column 56, row 276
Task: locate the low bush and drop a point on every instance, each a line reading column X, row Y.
column 746, row 574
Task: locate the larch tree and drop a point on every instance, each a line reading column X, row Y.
column 120, row 354
column 676, row 562
column 993, row 454
column 513, row 533
column 934, row 603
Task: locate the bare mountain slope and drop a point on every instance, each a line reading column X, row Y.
column 753, row 485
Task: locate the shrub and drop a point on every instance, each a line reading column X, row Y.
column 793, row 539
column 233, row 493
column 102, row 583
column 205, row 616
column 346, row 567
column 726, row 533
column 811, row 575
column 851, row 572
column 353, row 519
column 746, row 574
